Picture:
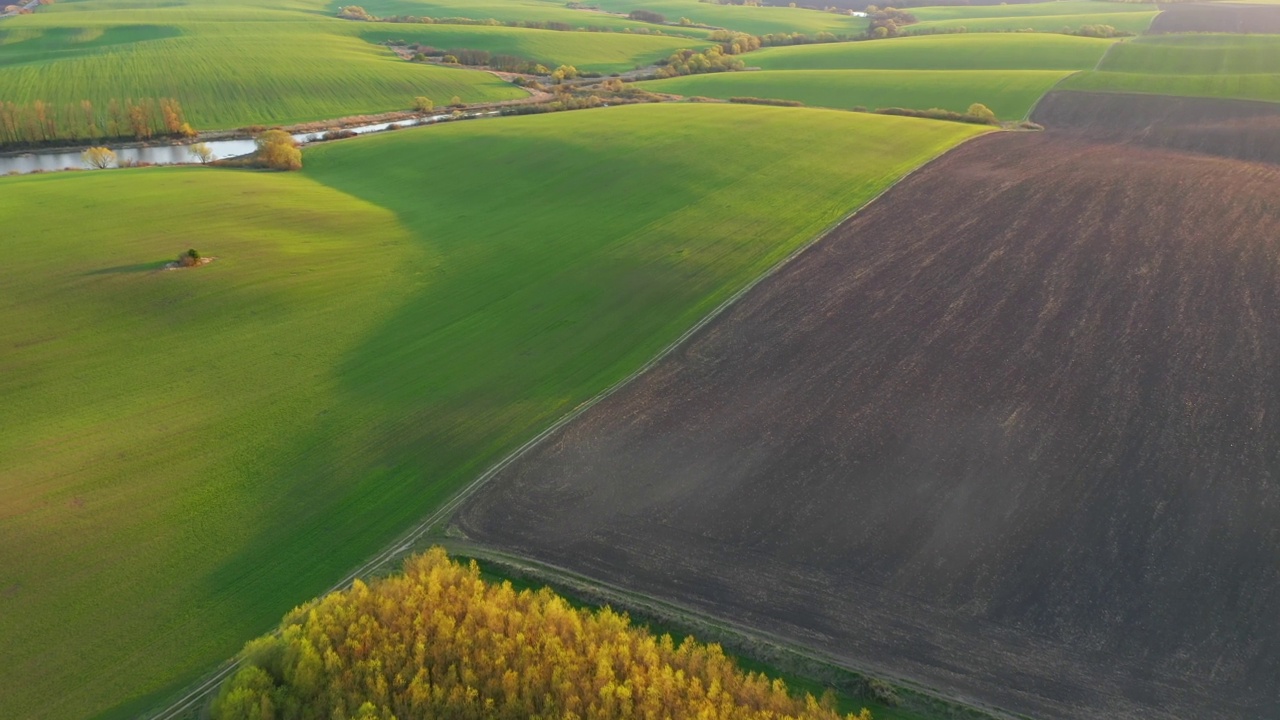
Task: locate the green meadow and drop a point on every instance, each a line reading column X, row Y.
column 186, row 454
column 1228, row 66
column 229, row 65
column 969, row 51
column 1009, row 93
column 601, row 52
column 1038, row 17
column 755, row 20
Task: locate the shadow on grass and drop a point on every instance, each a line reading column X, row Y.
column 135, row 268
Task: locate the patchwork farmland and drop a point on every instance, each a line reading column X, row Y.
column 970, row 415
column 1007, row 432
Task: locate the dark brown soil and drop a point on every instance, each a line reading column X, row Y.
column 1217, row 17
column 1012, row 432
column 1242, row 129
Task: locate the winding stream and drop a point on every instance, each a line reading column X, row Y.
column 176, row 154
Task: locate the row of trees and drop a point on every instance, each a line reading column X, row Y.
column 40, row 122
column 440, row 642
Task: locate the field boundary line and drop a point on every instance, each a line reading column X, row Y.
column 406, row 541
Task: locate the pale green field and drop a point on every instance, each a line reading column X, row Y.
column 1039, row 17
column 1229, row 66
column 184, row 455
column 970, row 51
column 601, row 52
column 233, row 63
column 1009, row 93
column 755, row 20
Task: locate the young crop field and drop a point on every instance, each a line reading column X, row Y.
column 587, row 51
column 1039, row 17
column 518, row 11
column 1010, row 94
column 969, row 51
column 744, row 18
column 186, row 454
column 1227, row 66
column 228, row 65
column 1009, row 433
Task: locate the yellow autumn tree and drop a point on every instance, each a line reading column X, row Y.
column 278, row 150
column 440, row 642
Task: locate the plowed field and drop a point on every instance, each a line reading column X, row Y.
column 1010, row 432
column 1217, row 17
column 1241, row 129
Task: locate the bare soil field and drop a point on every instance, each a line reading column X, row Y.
column 1010, row 432
column 1242, row 129
column 1217, row 18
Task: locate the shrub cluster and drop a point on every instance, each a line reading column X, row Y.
column 974, row 116
column 690, row 62
column 440, row 642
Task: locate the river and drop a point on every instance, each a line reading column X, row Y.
column 177, row 154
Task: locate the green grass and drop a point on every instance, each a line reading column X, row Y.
column 601, row 52
column 1227, row 66
column 995, row 51
column 756, row 20
column 185, row 455
column 513, row 10
column 229, row 65
column 1009, row 93
column 1039, row 17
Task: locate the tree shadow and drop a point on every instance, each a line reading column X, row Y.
column 135, row 268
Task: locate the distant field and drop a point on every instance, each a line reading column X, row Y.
column 743, row 18
column 1217, row 17
column 756, row 20
column 511, row 10
column 229, row 65
column 601, row 52
column 970, row 51
column 1040, row 17
column 1011, row 94
column 184, row 455
column 1229, row 66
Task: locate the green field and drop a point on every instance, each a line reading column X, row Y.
column 756, row 20
column 1229, row 66
column 229, row 65
column 1039, row 17
column 743, row 18
column 186, row 454
column 976, row 51
column 233, row 64
column 601, row 52
column 1009, row 93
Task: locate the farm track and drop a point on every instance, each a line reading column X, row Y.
column 1216, row 18
column 1009, row 433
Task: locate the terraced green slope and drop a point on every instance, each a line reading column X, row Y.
column 971, row 51
column 1230, row 66
column 186, row 454
column 1009, row 93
